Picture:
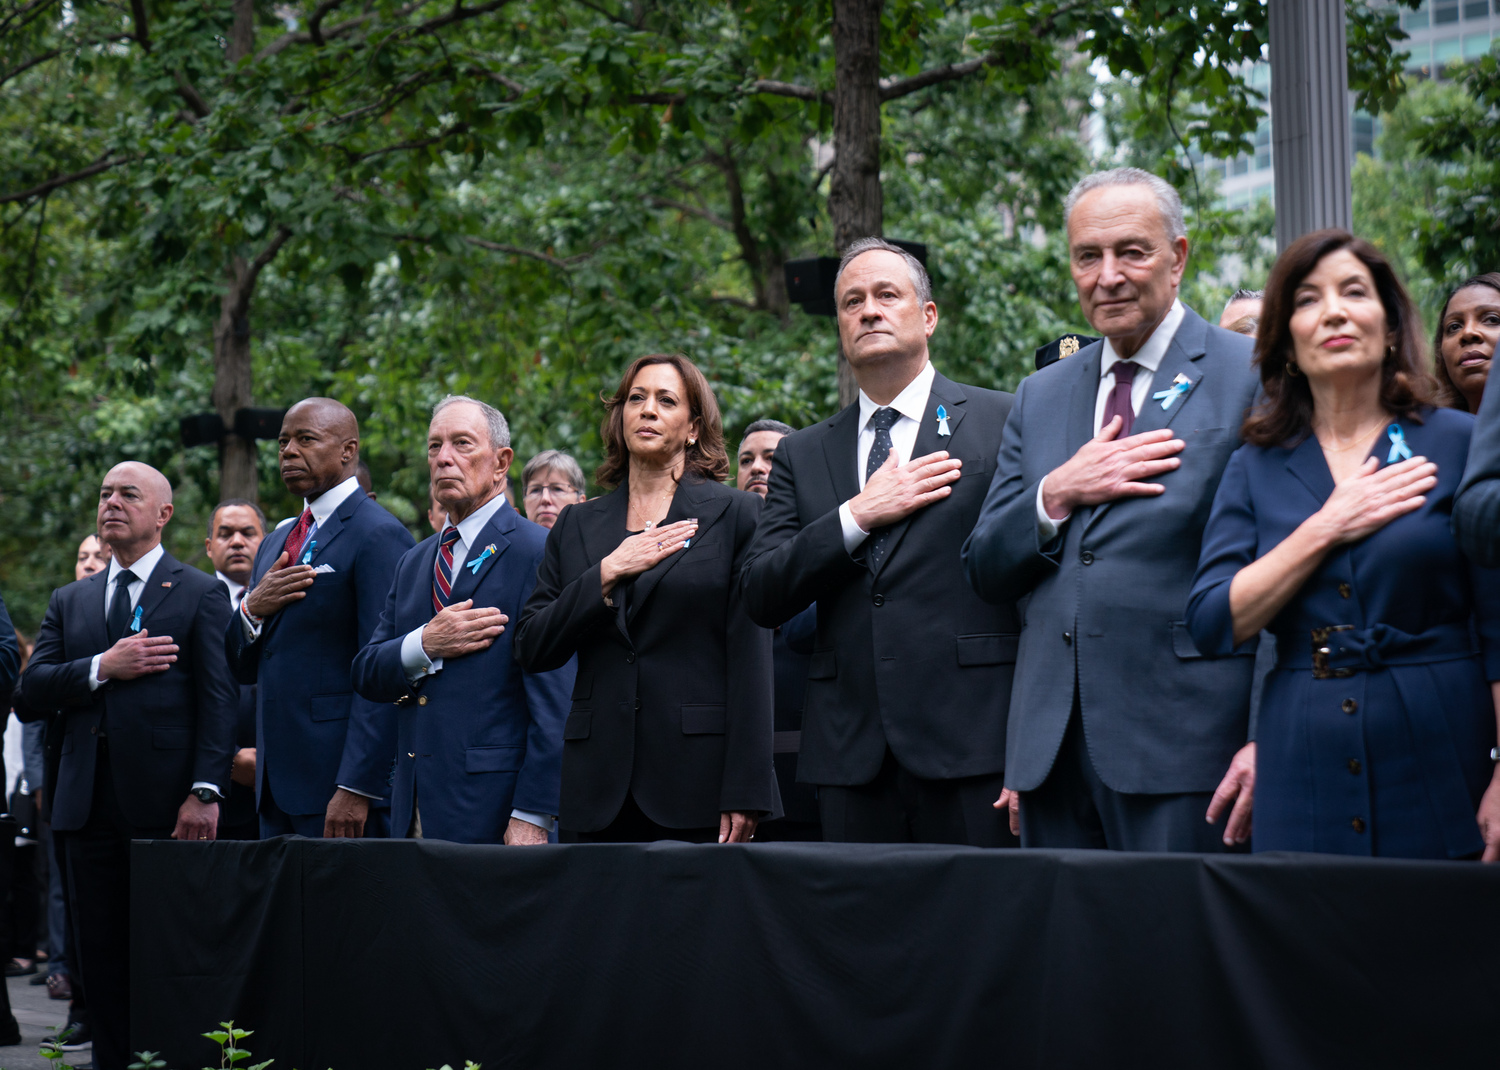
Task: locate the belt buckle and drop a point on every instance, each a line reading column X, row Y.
column 1320, row 652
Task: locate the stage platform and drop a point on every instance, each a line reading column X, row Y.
column 405, row 955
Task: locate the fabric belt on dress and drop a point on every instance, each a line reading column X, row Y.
column 1343, row 650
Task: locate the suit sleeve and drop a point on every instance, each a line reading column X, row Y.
column 10, row 652
column 562, row 610
column 50, row 682
column 217, row 694
column 370, row 746
column 1476, row 510
column 788, row 567
column 548, row 696
column 1229, row 544
column 377, row 673
column 243, row 653
column 1004, row 557
column 750, row 700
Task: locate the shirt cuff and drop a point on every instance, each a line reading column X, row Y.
column 210, row 786
column 541, row 821
column 1046, row 527
column 414, row 659
column 94, row 680
column 853, row 533
column 356, row 791
column 251, row 627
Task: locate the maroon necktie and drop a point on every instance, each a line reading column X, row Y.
column 298, row 535
column 1118, row 403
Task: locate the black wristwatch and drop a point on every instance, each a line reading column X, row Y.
column 207, row 795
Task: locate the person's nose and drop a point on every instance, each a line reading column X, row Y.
column 1471, row 334
column 761, row 468
column 1334, row 312
column 1110, row 275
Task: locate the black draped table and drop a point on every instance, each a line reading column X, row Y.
column 404, row 955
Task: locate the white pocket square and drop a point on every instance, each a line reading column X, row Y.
column 323, row 568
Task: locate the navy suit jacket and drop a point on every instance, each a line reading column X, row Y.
column 480, row 736
column 1105, row 598
column 313, row 733
column 1476, row 512
column 167, row 730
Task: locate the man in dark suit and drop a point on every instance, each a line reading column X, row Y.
column 235, row 530
column 1120, row 730
column 1476, row 509
column 134, row 659
column 479, row 754
column 323, row 754
column 904, row 725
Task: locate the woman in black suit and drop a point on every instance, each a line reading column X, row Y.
column 669, row 735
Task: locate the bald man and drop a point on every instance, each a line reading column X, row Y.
column 133, row 658
column 324, row 755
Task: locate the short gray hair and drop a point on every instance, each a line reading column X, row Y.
column 1167, row 200
column 554, row 461
column 914, row 268
column 768, row 425
column 494, row 422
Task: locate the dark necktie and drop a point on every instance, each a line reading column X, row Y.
column 119, row 606
column 298, row 535
column 442, row 570
column 1118, row 403
column 882, row 420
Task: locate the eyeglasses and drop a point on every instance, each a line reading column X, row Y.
column 555, row 490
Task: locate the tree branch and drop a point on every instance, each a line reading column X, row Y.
column 194, row 99
column 315, row 21
column 420, row 143
column 890, row 89
column 103, row 164
column 142, row 33
column 788, row 89
column 266, row 255
column 38, row 60
column 691, row 209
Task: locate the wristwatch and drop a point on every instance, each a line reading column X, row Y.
column 1495, row 754
column 207, row 795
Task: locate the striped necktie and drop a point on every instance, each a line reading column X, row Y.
column 442, row 569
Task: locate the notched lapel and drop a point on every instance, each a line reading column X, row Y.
column 841, row 449
column 1310, row 467
column 493, row 534
column 689, row 501
column 167, row 570
column 330, row 528
column 96, row 597
column 951, row 396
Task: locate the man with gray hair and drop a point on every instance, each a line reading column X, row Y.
column 479, row 741
column 1120, row 729
column 903, row 726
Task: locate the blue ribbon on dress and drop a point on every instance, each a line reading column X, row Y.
column 1400, row 451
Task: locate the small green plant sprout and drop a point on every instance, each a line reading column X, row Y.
column 469, row 1064
column 148, row 1060
column 52, row 1049
column 228, row 1038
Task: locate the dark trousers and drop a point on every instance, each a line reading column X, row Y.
column 99, row 894
column 18, row 928
column 901, row 807
column 276, row 822
column 1075, row 808
column 631, row 825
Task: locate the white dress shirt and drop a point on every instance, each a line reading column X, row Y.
column 911, row 403
column 322, row 508
column 236, row 590
column 415, row 660
column 1149, row 357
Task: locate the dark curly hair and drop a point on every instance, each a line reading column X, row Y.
column 1284, row 414
column 706, row 457
column 1448, row 394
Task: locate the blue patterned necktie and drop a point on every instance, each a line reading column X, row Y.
column 442, row 570
column 881, row 420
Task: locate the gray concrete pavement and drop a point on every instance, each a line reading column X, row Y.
column 38, row 1017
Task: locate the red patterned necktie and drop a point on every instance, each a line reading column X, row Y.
column 442, row 570
column 298, row 536
column 1118, row 403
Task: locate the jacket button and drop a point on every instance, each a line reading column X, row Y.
column 1358, row 824
column 411, row 754
column 1345, row 590
column 879, row 599
column 1086, row 557
column 630, row 657
column 1349, row 705
column 638, row 705
column 269, row 654
column 1354, row 766
column 1068, row 638
column 94, row 731
column 422, row 701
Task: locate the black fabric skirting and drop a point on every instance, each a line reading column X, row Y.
column 404, row 955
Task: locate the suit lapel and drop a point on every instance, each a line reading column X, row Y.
column 841, row 450
column 162, row 582
column 493, row 534
column 1085, row 400
column 601, row 529
column 330, row 528
column 96, row 599
column 1308, row 464
column 951, row 396
column 689, row 501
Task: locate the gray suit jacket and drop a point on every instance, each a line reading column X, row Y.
column 1105, row 598
column 1476, row 509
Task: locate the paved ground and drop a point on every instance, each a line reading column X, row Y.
column 38, row 1017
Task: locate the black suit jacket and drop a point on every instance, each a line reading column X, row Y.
column 1476, row 510
column 910, row 656
column 673, row 699
column 167, row 730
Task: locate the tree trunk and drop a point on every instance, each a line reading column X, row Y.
column 232, row 382
column 855, row 201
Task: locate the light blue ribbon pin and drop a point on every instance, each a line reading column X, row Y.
column 942, row 417
column 1400, row 451
column 473, row 566
column 1168, row 397
column 135, row 621
column 307, row 554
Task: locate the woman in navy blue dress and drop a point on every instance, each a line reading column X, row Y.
column 1331, row 528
